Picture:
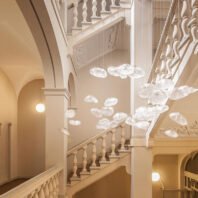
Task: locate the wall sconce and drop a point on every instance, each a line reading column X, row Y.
column 157, row 178
column 40, row 107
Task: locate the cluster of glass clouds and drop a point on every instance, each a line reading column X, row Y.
column 156, row 95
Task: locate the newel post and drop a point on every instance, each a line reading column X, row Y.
column 56, row 101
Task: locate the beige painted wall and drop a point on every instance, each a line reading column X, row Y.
column 8, row 114
column 167, row 166
column 101, row 88
column 116, row 184
column 31, row 130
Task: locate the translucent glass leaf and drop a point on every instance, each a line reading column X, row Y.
column 138, row 72
column 110, row 102
column 142, row 125
column 103, row 124
column 75, row 122
column 171, row 133
column 146, row 90
column 98, row 72
column 165, row 84
column 120, row 116
column 96, row 112
column 91, row 99
column 130, row 121
column 178, row 118
column 107, row 111
column 158, row 97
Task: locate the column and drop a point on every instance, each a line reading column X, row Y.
column 141, row 56
column 56, row 141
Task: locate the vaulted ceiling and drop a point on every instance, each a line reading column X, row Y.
column 19, row 57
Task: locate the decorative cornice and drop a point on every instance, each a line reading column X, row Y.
column 57, row 92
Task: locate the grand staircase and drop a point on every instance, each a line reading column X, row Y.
column 97, row 157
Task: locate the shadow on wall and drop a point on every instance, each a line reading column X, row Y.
column 31, row 130
column 105, row 187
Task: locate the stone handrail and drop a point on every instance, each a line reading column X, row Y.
column 179, row 31
column 44, row 185
column 191, row 181
column 92, row 144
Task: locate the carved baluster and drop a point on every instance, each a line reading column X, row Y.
column 75, row 165
column 103, row 148
column 84, row 14
column 75, row 14
column 113, row 145
column 51, row 190
column 103, row 5
column 85, row 159
column 46, row 190
column 94, row 154
column 176, row 38
column 123, row 138
column 41, row 193
column 193, row 23
column 55, row 193
column 57, row 183
column 113, row 3
column 94, row 8
column 185, row 18
column 36, row 194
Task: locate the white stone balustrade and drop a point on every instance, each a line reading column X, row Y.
column 181, row 29
column 44, row 185
column 191, row 181
column 90, row 12
column 96, row 149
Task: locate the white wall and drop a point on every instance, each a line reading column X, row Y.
column 8, row 114
column 31, row 130
column 167, row 166
column 101, row 88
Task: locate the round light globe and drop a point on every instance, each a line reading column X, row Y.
column 155, row 177
column 40, row 108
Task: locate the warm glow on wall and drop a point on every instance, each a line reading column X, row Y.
column 40, row 108
column 155, row 177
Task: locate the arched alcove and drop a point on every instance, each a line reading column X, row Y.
column 31, row 130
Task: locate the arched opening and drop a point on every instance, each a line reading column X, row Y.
column 31, row 130
column 189, row 174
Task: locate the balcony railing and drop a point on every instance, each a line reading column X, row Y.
column 44, row 185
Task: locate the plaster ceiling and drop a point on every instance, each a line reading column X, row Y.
column 19, row 57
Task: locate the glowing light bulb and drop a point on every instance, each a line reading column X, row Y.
column 155, row 176
column 40, row 108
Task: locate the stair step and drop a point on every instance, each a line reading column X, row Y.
column 105, row 14
column 95, row 19
column 114, row 8
column 76, row 30
column 86, row 25
column 84, row 175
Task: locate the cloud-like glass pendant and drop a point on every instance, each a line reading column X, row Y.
column 96, row 112
column 146, row 90
column 110, row 102
column 130, row 121
column 126, row 69
column 107, row 111
column 91, row 99
column 113, row 71
column 142, row 125
column 98, row 72
column 158, row 97
column 70, row 113
column 182, row 92
column 114, row 124
column 165, row 84
column 75, row 122
column 120, row 116
column 161, row 108
column 138, row 72
column 103, row 124
column 171, row 133
column 145, row 113
column 178, row 118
